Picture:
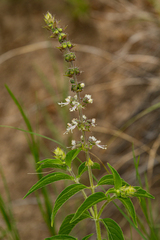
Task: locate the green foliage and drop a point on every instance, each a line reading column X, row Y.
column 89, row 202
column 67, row 193
column 117, row 179
column 67, row 225
column 50, row 178
column 130, row 208
column 109, row 180
column 51, row 163
column 71, row 155
column 61, row 237
column 83, row 168
column 88, row 236
column 114, row 231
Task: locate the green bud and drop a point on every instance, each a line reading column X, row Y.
column 69, row 57
column 126, row 191
column 72, row 80
column 89, row 163
column 76, row 70
column 71, row 71
column 73, row 88
column 56, row 32
column 60, row 30
column 50, row 21
column 64, row 45
column 69, row 44
column 59, row 153
column 61, row 37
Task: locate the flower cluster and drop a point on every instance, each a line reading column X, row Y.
column 125, row 192
column 76, row 102
column 59, row 154
column 92, row 141
column 83, row 125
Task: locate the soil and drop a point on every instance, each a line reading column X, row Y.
column 118, row 51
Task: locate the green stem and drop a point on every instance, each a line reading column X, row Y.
column 93, row 212
column 105, row 204
column 98, row 229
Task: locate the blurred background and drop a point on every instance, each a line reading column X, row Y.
column 118, row 50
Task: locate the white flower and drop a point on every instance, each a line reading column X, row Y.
column 93, row 122
column 82, row 85
column 73, row 143
column 75, row 97
column 71, row 126
column 75, row 106
column 68, row 100
column 92, row 138
column 100, row 146
column 88, row 96
column 89, row 99
column 96, row 142
column 84, row 117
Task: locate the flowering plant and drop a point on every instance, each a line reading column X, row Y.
column 121, row 190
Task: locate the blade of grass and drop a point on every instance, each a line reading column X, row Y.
column 7, row 212
column 128, row 219
column 35, row 153
column 33, row 133
column 153, row 230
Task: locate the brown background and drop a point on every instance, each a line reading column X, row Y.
column 121, row 72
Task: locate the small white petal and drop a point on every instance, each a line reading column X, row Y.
column 88, row 96
column 101, row 146
column 92, row 138
column 73, row 142
column 82, row 85
column 90, row 100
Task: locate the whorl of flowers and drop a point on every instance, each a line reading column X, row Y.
column 76, row 102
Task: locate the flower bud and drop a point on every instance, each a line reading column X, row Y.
column 59, row 153
column 60, row 30
column 89, row 163
column 71, row 71
column 61, row 37
column 50, row 21
column 69, row 45
column 69, row 57
column 74, row 88
column 72, row 80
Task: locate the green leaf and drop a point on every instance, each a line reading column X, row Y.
column 109, row 180
column 116, row 177
column 89, row 202
column 113, row 229
column 142, row 193
column 88, row 236
column 71, row 155
column 128, row 219
column 130, row 208
column 50, row 178
column 67, row 226
column 67, row 193
column 61, row 237
column 51, row 163
column 82, row 168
